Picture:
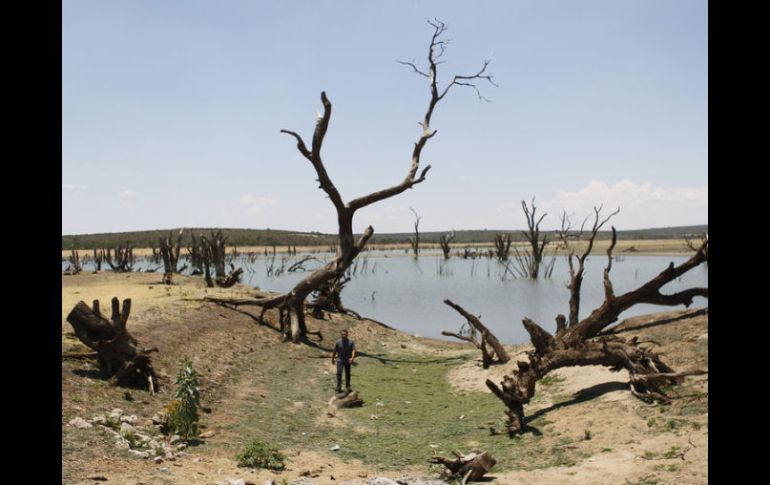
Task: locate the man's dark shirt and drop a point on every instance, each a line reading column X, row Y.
column 344, row 349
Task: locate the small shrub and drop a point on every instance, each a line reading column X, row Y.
column 183, row 410
column 259, row 454
column 587, row 434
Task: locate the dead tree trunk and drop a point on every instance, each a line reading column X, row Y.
column 327, row 298
column 579, row 343
column 74, row 263
column 98, row 258
column 120, row 355
column 492, row 352
column 415, row 240
column 292, row 303
column 534, row 257
column 124, row 258
column 214, row 251
column 444, row 241
column 195, row 255
column 170, row 254
column 502, row 246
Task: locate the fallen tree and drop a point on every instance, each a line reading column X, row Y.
column 291, row 305
column 119, row 353
column 468, row 468
column 492, row 352
column 580, row 342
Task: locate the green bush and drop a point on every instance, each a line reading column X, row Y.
column 259, row 454
column 183, row 410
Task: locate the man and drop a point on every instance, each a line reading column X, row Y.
column 343, row 355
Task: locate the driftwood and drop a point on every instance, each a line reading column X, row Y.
column 119, row 353
column 470, row 467
column 579, row 342
column 292, row 304
column 492, row 352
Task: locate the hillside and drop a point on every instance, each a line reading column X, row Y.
column 269, row 237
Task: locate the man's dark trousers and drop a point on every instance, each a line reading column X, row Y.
column 340, row 366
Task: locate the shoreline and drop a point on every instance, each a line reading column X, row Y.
column 641, row 247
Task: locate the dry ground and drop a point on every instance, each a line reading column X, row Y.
column 591, row 430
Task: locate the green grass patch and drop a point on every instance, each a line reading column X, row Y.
column 259, row 454
column 409, row 405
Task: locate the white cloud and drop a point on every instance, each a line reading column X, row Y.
column 71, row 187
column 255, row 204
column 641, row 205
column 127, row 196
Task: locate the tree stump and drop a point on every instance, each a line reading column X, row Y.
column 346, row 400
column 119, row 353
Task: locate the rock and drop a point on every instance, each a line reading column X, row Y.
column 158, row 460
column 208, row 434
column 140, row 454
column 80, row 423
column 175, row 439
column 126, row 428
column 131, row 419
column 123, row 444
column 335, row 448
column 116, row 413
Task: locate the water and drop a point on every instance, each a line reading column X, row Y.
column 408, row 294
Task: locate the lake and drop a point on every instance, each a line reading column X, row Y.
column 408, row 293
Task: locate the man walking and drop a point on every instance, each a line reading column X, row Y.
column 343, row 355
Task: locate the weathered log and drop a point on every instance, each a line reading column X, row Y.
column 119, row 353
column 348, row 400
column 470, row 467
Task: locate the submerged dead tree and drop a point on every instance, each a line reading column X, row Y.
column 492, row 352
column 170, row 254
column 444, row 241
column 214, row 251
column 502, row 246
column 292, row 304
column 530, row 260
column 124, row 258
column 580, row 342
column 119, row 353
column 415, row 240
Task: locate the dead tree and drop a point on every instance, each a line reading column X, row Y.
column 124, row 258
column 444, row 241
column 328, row 298
column 98, row 258
column 531, row 259
column 119, row 353
column 415, row 241
column 579, row 342
column 170, row 254
column 195, row 255
column 214, row 253
column 502, row 246
column 74, row 263
column 292, row 304
column 492, row 352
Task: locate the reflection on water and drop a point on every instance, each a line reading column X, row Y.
column 408, row 294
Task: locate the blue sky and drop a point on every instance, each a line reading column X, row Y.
column 171, row 112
